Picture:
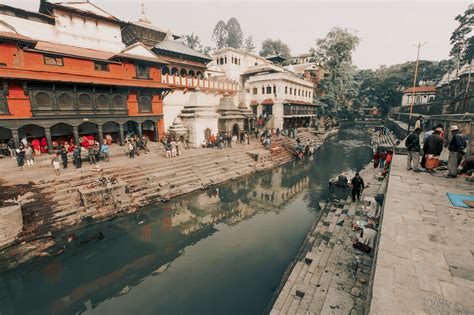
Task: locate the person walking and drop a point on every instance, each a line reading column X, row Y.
column 20, row 156
column 76, row 157
column 432, row 148
column 63, row 152
column 456, row 150
column 55, row 162
column 357, row 187
column 104, row 149
column 29, row 155
column 92, row 154
column 412, row 144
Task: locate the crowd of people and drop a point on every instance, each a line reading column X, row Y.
column 226, row 140
column 433, row 144
column 173, row 146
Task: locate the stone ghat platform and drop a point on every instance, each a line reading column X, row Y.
column 76, row 199
column 329, row 276
column 425, row 259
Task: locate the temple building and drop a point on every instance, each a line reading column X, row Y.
column 278, row 97
column 73, row 69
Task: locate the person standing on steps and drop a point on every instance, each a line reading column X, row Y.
column 63, row 152
column 412, row 144
column 76, row 157
column 456, row 150
column 357, row 187
column 432, row 148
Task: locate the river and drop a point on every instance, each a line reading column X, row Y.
column 221, row 251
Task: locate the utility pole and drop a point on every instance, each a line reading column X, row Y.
column 418, row 46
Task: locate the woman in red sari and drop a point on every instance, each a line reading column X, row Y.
column 44, row 145
column 36, row 147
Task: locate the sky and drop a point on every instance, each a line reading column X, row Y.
column 388, row 29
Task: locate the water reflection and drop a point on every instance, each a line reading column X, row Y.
column 218, row 251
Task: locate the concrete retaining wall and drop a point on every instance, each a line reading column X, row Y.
column 11, row 224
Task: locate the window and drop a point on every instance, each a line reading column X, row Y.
column 418, row 99
column 263, row 90
column 269, row 90
column 53, row 61
column 143, row 71
column 274, row 89
column 247, row 90
column 101, row 66
column 225, row 59
column 232, row 59
column 3, row 104
column 255, row 91
column 145, row 102
column 291, row 91
column 286, row 90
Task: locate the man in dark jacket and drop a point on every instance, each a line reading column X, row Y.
column 433, row 147
column 456, row 150
column 412, row 143
column 357, row 186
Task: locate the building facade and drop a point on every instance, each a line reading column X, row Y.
column 421, row 95
column 278, row 97
column 73, row 70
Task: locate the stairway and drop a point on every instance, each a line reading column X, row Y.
column 328, row 278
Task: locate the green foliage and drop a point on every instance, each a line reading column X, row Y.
column 249, row 46
column 235, row 36
column 334, row 52
column 228, row 34
column 220, row 34
column 383, row 87
column 461, row 40
column 193, row 42
column 272, row 47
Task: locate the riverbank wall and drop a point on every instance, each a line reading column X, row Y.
column 328, row 275
column 73, row 201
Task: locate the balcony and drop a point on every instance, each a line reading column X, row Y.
column 204, row 84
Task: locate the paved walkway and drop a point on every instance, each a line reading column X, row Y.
column 425, row 260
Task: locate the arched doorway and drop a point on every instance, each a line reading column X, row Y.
column 174, row 71
column 191, row 74
column 88, row 133
column 112, row 129
column 5, row 134
column 131, row 128
column 60, row 133
column 235, row 129
column 149, row 130
column 183, row 73
column 165, row 70
column 34, row 132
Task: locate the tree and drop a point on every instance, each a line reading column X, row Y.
column 228, row 34
column 220, row 35
column 461, row 39
column 383, row 87
column 334, row 52
column 249, row 45
column 272, row 47
column 235, row 36
column 192, row 41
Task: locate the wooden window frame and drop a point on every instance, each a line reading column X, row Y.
column 47, row 57
column 101, row 66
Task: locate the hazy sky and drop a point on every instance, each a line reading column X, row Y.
column 388, row 29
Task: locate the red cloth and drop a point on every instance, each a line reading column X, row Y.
column 35, row 144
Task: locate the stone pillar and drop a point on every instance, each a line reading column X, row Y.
column 121, row 134
column 47, row 132
column 101, row 135
column 16, row 138
column 155, row 133
column 139, row 130
column 75, row 131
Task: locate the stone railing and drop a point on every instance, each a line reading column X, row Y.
column 433, row 108
column 211, row 84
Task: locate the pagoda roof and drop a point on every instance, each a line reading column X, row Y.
column 16, row 37
column 172, row 46
column 83, row 8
